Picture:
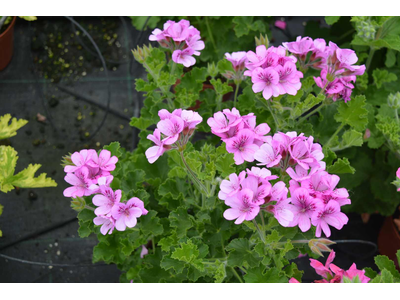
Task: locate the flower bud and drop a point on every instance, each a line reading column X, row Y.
column 78, row 203
column 66, row 160
column 394, row 100
column 367, row 134
column 263, row 40
column 140, row 54
column 212, row 69
column 366, row 30
column 318, row 246
column 229, row 75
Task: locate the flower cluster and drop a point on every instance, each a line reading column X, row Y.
column 86, row 168
column 172, row 132
column 89, row 174
column 272, row 72
column 183, row 40
column 337, row 65
column 333, row 274
column 240, row 133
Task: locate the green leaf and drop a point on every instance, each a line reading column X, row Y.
column 341, row 166
column 381, row 76
column 259, row 275
column 240, row 254
column 181, row 220
column 390, row 58
column 384, row 277
column 350, row 138
column 140, row 21
column 330, row 20
column 8, row 130
column 188, row 252
column 242, row 25
column 150, row 224
column 86, row 225
column 114, row 148
column 353, row 113
column 168, row 263
column 224, row 164
column 383, row 262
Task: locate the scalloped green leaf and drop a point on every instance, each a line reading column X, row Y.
column 8, row 130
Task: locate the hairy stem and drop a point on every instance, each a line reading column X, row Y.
column 195, row 180
column 302, row 119
column 236, row 93
column 334, row 134
column 369, row 60
column 211, row 35
column 260, row 233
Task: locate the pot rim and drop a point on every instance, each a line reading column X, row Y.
column 11, row 25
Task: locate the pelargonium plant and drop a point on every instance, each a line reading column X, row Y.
column 222, row 186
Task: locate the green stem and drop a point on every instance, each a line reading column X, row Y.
column 260, row 233
column 301, row 120
column 211, row 35
column 369, row 60
column 89, row 208
column 236, row 93
column 219, row 102
column 163, row 90
column 268, row 106
column 153, row 245
column 195, row 180
column 396, row 113
column 232, row 268
column 334, row 134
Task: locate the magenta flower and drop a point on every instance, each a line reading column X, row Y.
column 106, row 180
column 283, row 212
column 242, row 146
column 80, row 183
column 220, row 124
column 104, row 161
column 106, row 200
column 260, row 192
column 242, row 207
column 191, row 119
column 263, row 175
column 136, row 202
column 125, row 215
column 265, row 80
column 108, row 224
column 329, row 215
column 255, row 60
column 280, row 24
column 289, row 78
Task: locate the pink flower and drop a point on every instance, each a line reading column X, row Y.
column 144, row 251
column 108, row 224
column 153, row 153
column 329, row 215
column 255, row 60
column 80, row 159
column 293, row 280
column 177, row 31
column 104, row 161
column 136, row 202
column 105, row 180
column 242, row 207
column 242, row 146
column 263, row 175
column 260, row 192
column 220, row 124
column 184, row 57
column 191, row 118
column 171, row 128
column 283, row 212
column 304, row 207
column 237, row 59
column 106, row 200
column 289, row 78
column 229, row 188
column 265, row 80
column 301, row 46
column 269, row 153
column 80, row 183
column 320, row 269
column 353, row 272
column 125, row 215
column 280, row 24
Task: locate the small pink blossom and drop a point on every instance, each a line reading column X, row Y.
column 329, row 215
column 153, row 153
column 242, row 207
column 80, row 183
column 106, row 200
column 104, row 161
column 280, row 24
column 80, row 159
column 144, row 252
column 125, row 215
column 171, row 128
column 242, row 146
column 184, row 57
column 237, row 59
column 108, row 224
column 229, row 188
column 266, row 81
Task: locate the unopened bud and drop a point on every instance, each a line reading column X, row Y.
column 140, row 54
column 318, row 246
column 229, row 75
column 367, row 134
column 67, row 161
column 212, row 69
column 78, row 203
column 263, row 40
column 394, row 100
column 366, row 30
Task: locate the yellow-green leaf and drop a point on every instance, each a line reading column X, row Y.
column 9, row 130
